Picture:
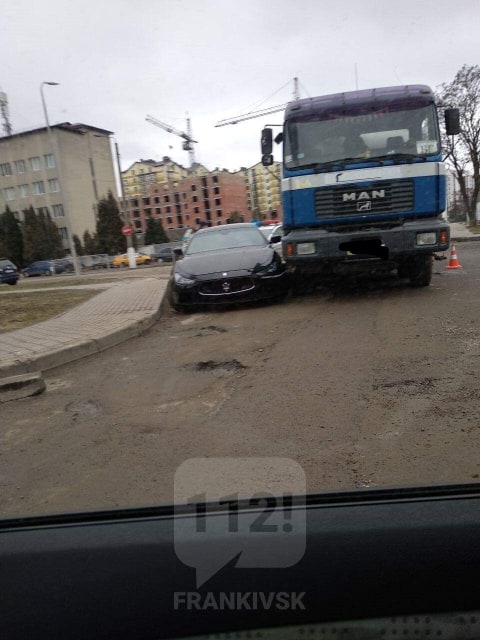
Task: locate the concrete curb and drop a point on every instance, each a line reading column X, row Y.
column 82, row 348
column 467, row 239
column 21, row 386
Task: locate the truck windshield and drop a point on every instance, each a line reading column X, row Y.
column 360, row 135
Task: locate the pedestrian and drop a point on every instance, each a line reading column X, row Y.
column 187, row 236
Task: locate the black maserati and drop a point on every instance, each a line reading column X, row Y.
column 227, row 264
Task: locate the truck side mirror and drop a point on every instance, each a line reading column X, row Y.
column 452, row 121
column 267, row 141
column 267, row 160
column 279, row 138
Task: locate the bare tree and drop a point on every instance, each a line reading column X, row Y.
column 462, row 152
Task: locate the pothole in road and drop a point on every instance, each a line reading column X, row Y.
column 221, row 367
column 425, row 383
column 83, row 408
column 211, row 330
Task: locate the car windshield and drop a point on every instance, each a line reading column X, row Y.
column 6, row 263
column 135, row 150
column 225, row 238
column 266, row 231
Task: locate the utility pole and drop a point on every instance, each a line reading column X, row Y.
column 56, row 157
column 132, row 263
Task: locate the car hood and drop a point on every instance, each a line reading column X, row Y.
column 229, row 260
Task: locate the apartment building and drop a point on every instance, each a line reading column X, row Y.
column 139, row 177
column 30, row 176
column 264, row 191
column 179, row 202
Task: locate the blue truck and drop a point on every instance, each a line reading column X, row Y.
column 364, row 185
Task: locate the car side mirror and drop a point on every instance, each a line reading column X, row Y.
column 452, row 121
column 275, row 239
column 178, row 253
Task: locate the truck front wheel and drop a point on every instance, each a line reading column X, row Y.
column 419, row 270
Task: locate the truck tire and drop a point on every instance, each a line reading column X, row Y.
column 420, row 269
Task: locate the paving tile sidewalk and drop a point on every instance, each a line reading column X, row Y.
column 119, row 313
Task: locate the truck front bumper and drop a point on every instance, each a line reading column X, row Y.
column 310, row 246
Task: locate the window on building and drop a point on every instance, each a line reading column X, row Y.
column 24, row 190
column 138, row 224
column 218, row 201
column 197, row 220
column 58, row 211
column 187, row 217
column 194, row 187
column 168, row 209
column 196, row 210
column 219, row 213
column 215, row 178
column 34, row 163
column 49, row 161
column 9, row 193
column 5, row 169
column 166, row 198
column 158, row 211
column 195, row 198
column 216, row 190
column 219, row 222
column 53, row 185
column 63, row 232
column 169, row 220
column 39, row 188
column 184, row 195
column 157, row 200
column 204, row 181
column 146, row 201
column 20, row 166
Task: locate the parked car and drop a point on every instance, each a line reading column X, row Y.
column 8, row 272
column 43, row 268
column 67, row 264
column 224, row 265
column 165, row 253
column 271, row 231
column 122, row 260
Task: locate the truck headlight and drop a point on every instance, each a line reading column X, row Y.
column 426, row 238
column 305, row 248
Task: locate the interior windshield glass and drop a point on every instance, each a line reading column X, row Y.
column 385, row 131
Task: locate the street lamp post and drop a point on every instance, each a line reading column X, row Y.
column 56, row 156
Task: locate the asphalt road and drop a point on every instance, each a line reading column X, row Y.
column 364, row 385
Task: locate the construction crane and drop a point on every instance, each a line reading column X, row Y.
column 188, row 141
column 7, row 127
column 262, row 112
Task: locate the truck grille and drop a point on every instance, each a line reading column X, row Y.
column 378, row 197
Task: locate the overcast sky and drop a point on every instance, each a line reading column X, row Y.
column 119, row 60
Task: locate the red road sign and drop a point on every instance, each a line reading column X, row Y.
column 127, row 230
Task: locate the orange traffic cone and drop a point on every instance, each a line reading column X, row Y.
column 454, row 263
